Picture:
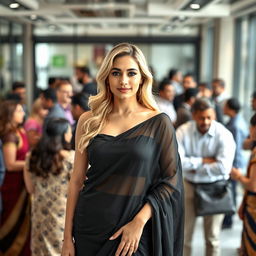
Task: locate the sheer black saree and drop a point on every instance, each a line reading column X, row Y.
column 138, row 166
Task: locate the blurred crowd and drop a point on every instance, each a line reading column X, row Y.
column 37, row 155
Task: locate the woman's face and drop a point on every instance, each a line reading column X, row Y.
column 253, row 132
column 43, row 112
column 18, row 115
column 68, row 135
column 124, row 78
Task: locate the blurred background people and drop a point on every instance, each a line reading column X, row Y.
column 206, row 150
column 184, row 112
column 188, row 82
column 64, row 92
column 247, row 208
column 239, row 130
column 84, row 77
column 46, row 173
column 219, row 93
column 53, row 81
column 205, row 90
column 18, row 94
column 34, row 124
column 15, row 231
column 175, row 77
column 253, row 102
column 79, row 105
column 165, row 99
column 155, row 90
column 248, row 142
column 49, row 102
column 20, row 89
column 2, row 172
column 219, row 97
column 13, row 97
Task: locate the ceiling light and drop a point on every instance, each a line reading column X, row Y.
column 195, row 6
column 14, row 5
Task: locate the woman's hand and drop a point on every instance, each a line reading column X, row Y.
column 235, row 173
column 68, row 248
column 131, row 234
column 241, row 211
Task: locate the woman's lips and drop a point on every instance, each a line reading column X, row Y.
column 124, row 90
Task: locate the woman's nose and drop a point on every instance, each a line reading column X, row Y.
column 123, row 80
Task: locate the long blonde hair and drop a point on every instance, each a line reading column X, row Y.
column 101, row 104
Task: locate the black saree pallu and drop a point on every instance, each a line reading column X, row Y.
column 141, row 165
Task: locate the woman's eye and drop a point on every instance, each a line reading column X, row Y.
column 115, row 73
column 132, row 74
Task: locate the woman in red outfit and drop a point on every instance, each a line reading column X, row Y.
column 15, row 218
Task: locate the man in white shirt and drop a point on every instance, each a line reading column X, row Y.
column 207, row 151
column 165, row 99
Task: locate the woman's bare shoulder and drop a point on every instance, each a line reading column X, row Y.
column 152, row 113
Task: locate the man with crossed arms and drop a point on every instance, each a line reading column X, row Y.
column 207, row 150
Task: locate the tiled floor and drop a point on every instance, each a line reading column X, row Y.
column 230, row 239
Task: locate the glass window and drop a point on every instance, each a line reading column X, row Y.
column 53, row 60
column 163, row 57
column 17, row 29
column 58, row 60
column 11, row 54
column 4, row 27
column 245, row 62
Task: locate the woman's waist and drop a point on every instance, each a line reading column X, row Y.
column 13, row 180
column 105, row 203
column 250, row 199
column 250, row 193
column 95, row 194
column 98, row 212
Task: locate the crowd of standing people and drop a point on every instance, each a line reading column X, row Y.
column 118, row 155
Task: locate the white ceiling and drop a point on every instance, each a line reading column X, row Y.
column 118, row 17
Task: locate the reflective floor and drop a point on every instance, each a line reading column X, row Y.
column 230, row 238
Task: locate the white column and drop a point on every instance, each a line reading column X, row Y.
column 224, row 51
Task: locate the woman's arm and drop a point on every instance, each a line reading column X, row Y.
column 9, row 152
column 75, row 185
column 249, row 183
column 144, row 214
column 247, row 144
column 27, row 177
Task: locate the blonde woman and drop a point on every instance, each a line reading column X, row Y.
column 34, row 124
column 131, row 202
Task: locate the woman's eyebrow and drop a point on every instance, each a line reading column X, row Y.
column 129, row 69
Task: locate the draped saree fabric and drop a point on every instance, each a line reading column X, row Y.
column 15, row 218
column 249, row 221
column 137, row 166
